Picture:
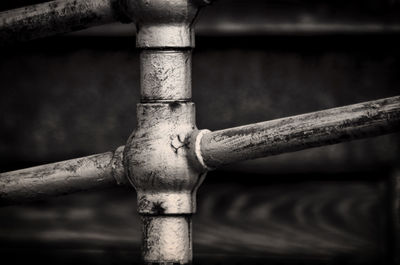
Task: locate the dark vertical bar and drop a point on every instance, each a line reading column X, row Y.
column 394, row 217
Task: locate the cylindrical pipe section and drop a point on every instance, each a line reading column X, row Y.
column 56, row 17
column 96, row 171
column 163, row 23
column 301, row 132
column 167, row 239
column 165, row 75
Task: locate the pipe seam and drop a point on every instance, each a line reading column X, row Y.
column 197, row 148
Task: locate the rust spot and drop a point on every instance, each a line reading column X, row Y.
column 177, row 143
column 174, row 105
column 158, row 208
column 143, row 203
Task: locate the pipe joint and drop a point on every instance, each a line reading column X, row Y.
column 160, row 159
column 163, row 23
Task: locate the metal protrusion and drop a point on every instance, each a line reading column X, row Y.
column 117, row 167
column 197, row 149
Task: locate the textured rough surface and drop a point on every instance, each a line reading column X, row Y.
column 301, row 132
column 164, row 23
column 96, row 171
column 166, row 75
column 157, row 158
column 167, row 239
column 55, row 17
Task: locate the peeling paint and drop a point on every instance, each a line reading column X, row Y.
column 60, row 178
column 56, row 17
column 301, row 132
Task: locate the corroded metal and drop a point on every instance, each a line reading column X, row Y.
column 96, row 171
column 159, row 156
column 165, row 75
column 301, row 132
column 167, row 239
column 164, row 23
column 56, row 17
column 156, row 159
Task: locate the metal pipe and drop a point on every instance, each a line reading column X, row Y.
column 96, row 171
column 158, row 156
column 56, row 17
column 300, row 132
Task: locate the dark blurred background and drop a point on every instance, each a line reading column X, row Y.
column 74, row 95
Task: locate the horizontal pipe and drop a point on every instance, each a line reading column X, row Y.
column 96, row 171
column 300, row 132
column 56, row 17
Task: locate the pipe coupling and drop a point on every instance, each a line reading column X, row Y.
column 163, row 23
column 160, row 159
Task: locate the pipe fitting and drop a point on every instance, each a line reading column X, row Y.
column 160, row 159
column 163, row 23
column 160, row 156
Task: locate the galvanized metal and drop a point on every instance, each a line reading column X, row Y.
column 167, row 239
column 96, row 171
column 165, row 75
column 301, row 132
column 56, row 17
column 159, row 157
column 156, row 159
column 164, row 23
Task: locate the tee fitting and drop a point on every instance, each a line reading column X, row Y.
column 160, row 155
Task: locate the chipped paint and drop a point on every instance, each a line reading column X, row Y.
column 301, row 132
column 160, row 157
column 96, row 171
column 56, row 17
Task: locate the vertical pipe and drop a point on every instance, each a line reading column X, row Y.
column 167, row 238
column 165, row 75
column 158, row 155
column 166, row 116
